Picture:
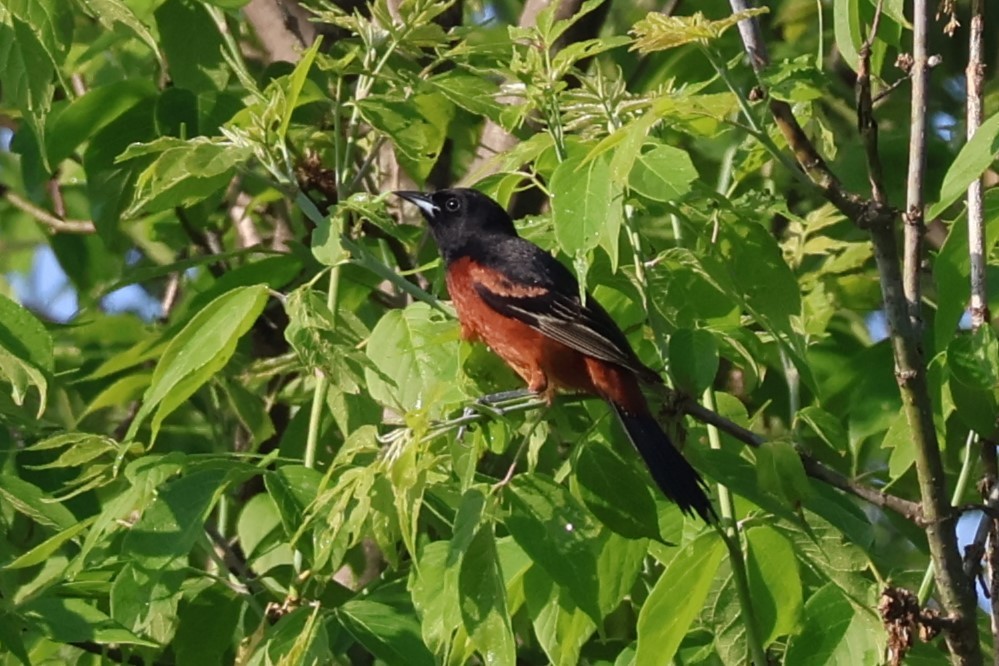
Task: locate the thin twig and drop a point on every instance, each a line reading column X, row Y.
column 54, row 223
column 804, row 151
column 815, row 469
column 975, row 76
column 914, row 201
column 867, row 125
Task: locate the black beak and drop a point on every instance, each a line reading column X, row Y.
column 423, row 201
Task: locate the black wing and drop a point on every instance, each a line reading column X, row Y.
column 546, row 298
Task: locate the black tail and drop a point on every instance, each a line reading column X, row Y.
column 679, row 481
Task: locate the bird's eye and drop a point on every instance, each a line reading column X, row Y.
column 452, row 205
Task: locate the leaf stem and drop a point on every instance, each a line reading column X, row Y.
column 730, row 534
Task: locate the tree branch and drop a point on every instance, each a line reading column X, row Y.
column 914, row 204
column 867, row 125
column 975, row 76
column 55, row 224
column 906, row 508
column 804, row 151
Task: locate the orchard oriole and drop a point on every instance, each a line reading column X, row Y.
column 526, row 306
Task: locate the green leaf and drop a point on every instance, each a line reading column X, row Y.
column 49, row 547
column 198, row 351
column 483, row 600
column 295, row 83
column 899, row 440
column 616, row 492
column 50, row 23
column 87, row 115
column 587, row 204
column 81, row 448
column 975, row 157
column 22, row 374
column 561, row 626
column 435, row 596
column 749, row 265
column 10, row 638
column 390, row 634
column 557, row 533
column 168, row 529
column 836, row 633
column 952, row 268
column 183, row 173
column 23, row 335
column 662, row 173
column 779, row 471
column 677, row 598
column 659, row 32
column 847, row 29
column 27, row 74
column 71, row 620
column 294, row 489
column 693, row 359
column 973, row 362
column 476, row 94
column 111, row 12
column 33, row 502
column 795, row 80
column 418, row 350
column 207, row 626
column 417, row 127
column 195, row 64
column 774, row 583
column 826, row 426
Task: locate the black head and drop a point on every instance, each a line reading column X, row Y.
column 460, row 216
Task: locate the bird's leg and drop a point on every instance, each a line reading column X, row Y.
column 492, row 404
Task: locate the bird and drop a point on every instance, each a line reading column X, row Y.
column 527, row 307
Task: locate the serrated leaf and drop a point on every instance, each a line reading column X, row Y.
column 416, row 350
column 662, row 173
column 587, row 204
column 183, row 173
column 198, row 351
column 795, row 80
column 417, row 127
column 973, row 362
column 676, row 599
column 171, row 525
column 35, row 503
column 110, row 12
column 836, row 633
column 659, row 32
column 24, row 336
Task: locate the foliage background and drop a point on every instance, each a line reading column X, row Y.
column 272, row 468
